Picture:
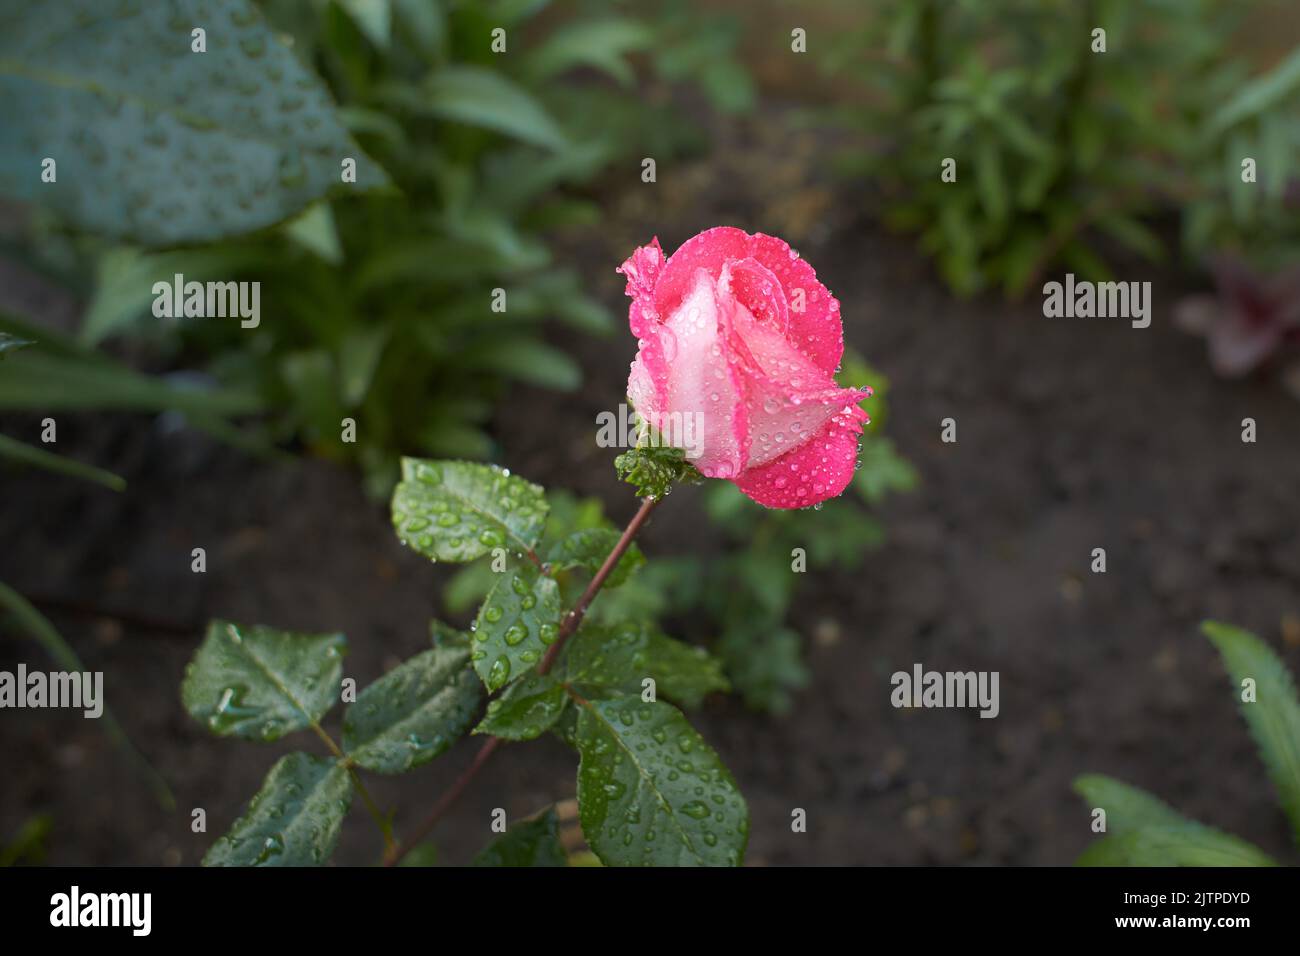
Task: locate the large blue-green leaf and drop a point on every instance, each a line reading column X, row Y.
column 152, row 140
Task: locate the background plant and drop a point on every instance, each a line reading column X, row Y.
column 1065, row 155
column 379, row 297
column 1144, row 831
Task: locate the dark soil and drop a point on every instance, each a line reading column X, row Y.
column 1073, row 434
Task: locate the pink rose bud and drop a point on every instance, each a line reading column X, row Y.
column 739, row 344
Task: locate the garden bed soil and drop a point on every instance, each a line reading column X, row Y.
column 1072, row 435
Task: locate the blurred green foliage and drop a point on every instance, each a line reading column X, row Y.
column 1142, row 830
column 382, row 306
column 48, row 372
column 1064, row 155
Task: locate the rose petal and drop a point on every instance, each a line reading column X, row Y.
column 642, row 269
column 787, row 397
column 755, row 287
column 820, row 469
column 817, row 330
column 736, row 329
column 709, row 251
column 702, row 396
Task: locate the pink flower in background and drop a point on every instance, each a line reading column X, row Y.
column 1253, row 317
column 736, row 333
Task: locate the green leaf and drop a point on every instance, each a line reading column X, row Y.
column 602, row 44
column 482, row 97
column 459, row 511
column 1274, row 715
column 359, row 356
column 991, row 181
column 566, row 728
column 425, row 23
column 27, row 454
column 1257, row 96
column 157, row 143
column 9, row 343
column 618, row 658
column 374, row 18
column 765, row 662
column 531, row 843
column 1127, row 807
column 444, row 635
column 259, row 683
column 45, row 380
column 125, row 277
column 531, row 361
column 589, row 548
column 422, row 854
column 651, row 792
column 293, row 820
column 413, row 713
column 518, row 621
column 1190, row 845
column 728, row 86
column 527, row 709
column 314, row 230
column 51, row 340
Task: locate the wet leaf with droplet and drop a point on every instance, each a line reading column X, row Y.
column 518, row 621
column 608, row 658
column 650, row 790
column 459, row 510
column 413, row 713
column 293, row 820
column 260, row 683
column 527, row 709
